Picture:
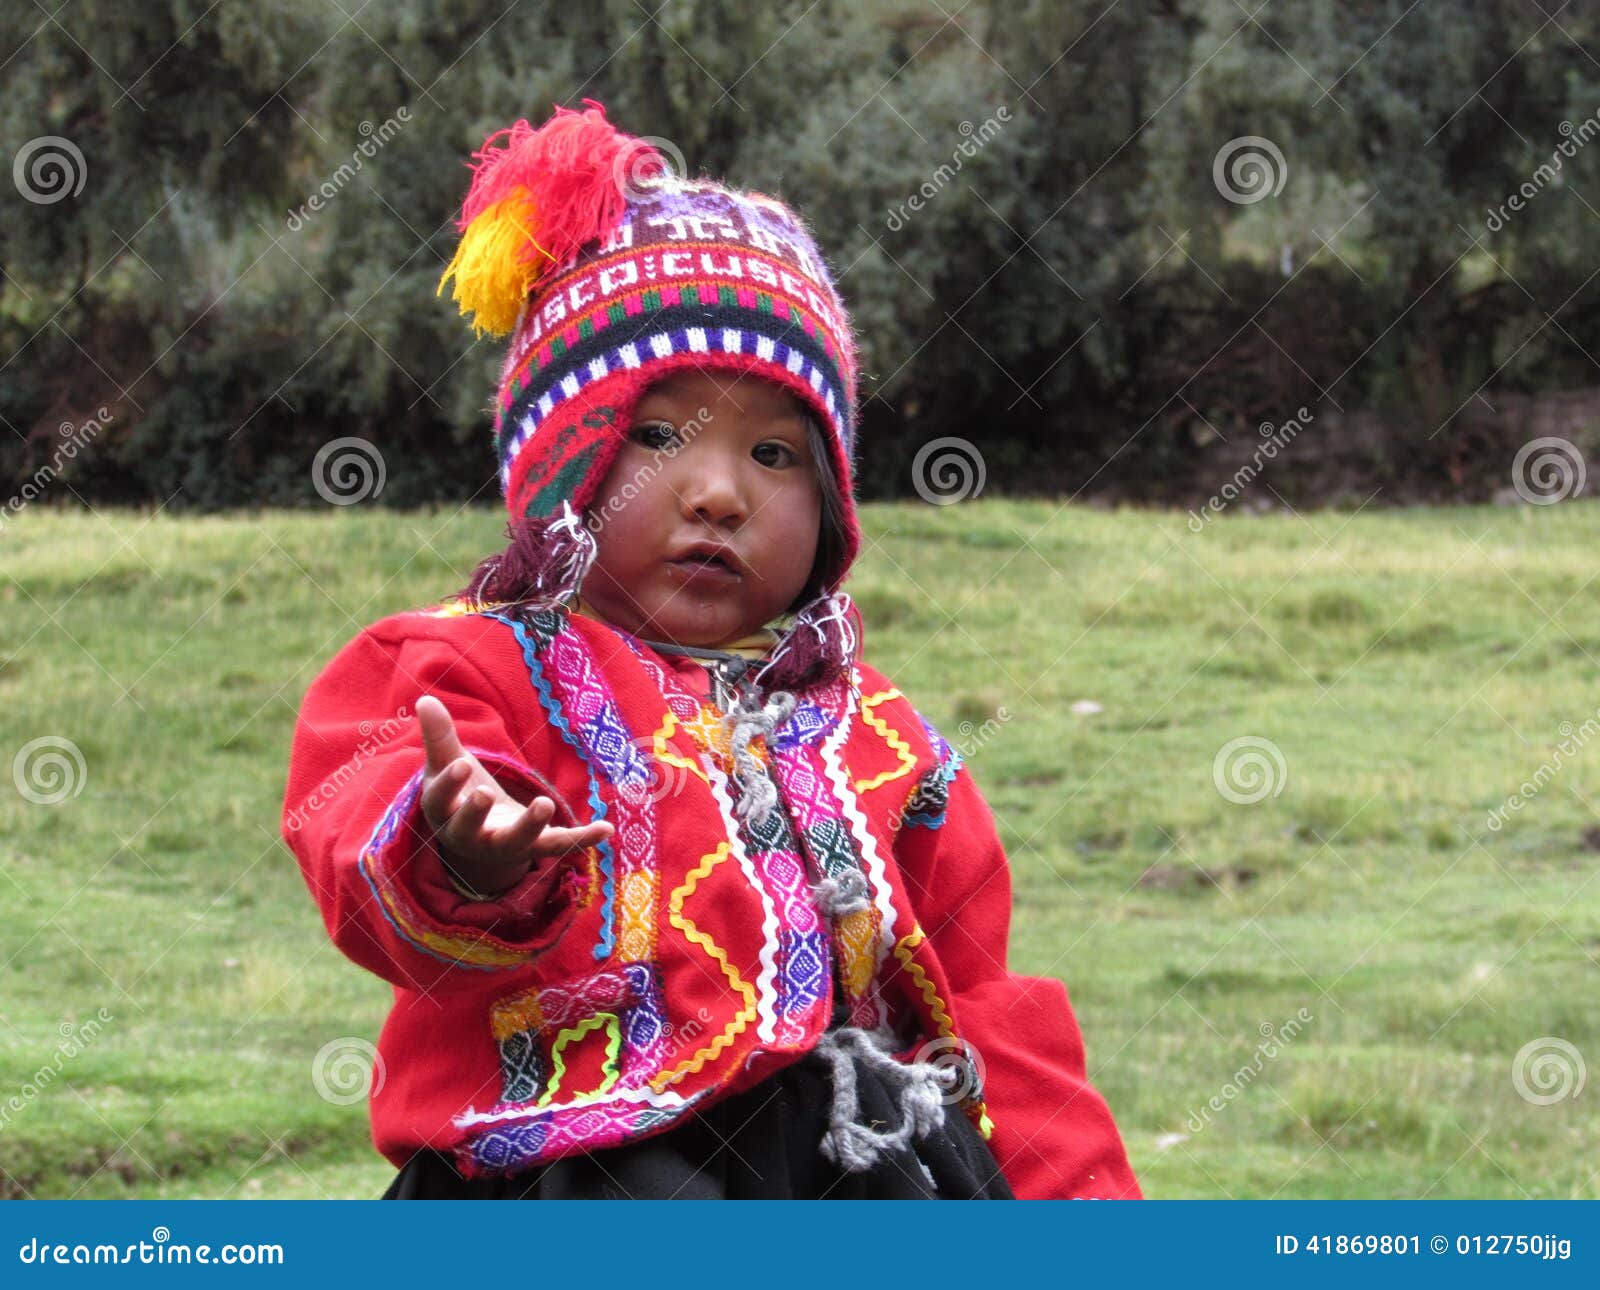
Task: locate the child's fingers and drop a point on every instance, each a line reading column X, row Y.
column 560, row 840
column 533, row 834
column 440, row 791
column 439, row 739
column 461, row 831
column 523, row 834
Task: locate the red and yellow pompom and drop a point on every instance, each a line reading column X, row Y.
column 534, row 202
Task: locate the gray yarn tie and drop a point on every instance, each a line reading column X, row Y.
column 846, row 894
column 746, row 719
column 856, row 1147
column 852, row 1146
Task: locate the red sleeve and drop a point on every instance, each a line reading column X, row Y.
column 1053, row 1135
column 353, row 818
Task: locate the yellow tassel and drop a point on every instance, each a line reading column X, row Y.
column 492, row 271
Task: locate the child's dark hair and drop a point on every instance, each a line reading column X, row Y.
column 545, row 562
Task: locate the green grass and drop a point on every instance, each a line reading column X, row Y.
column 1411, row 667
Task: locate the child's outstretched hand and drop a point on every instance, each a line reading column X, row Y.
column 489, row 839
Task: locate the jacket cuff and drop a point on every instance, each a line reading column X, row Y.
column 419, row 899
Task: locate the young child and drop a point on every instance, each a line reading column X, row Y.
column 678, row 896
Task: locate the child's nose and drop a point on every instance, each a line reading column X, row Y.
column 713, row 490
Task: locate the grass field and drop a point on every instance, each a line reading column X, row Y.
column 1408, row 670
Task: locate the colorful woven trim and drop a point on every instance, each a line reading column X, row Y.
column 380, row 863
column 620, row 1008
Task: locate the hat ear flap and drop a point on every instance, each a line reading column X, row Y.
column 534, row 202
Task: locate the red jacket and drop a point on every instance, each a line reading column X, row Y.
column 683, row 959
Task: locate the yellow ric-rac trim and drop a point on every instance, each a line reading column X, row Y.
column 747, row 1014
column 930, row 996
column 559, row 1048
column 663, row 753
column 902, row 951
column 908, row 760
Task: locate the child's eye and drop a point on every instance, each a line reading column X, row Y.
column 785, row 455
column 655, row 434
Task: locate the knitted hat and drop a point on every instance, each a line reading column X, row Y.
column 610, row 273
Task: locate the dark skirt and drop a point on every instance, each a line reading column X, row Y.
column 762, row 1144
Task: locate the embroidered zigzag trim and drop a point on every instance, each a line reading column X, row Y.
column 901, row 749
column 746, row 1014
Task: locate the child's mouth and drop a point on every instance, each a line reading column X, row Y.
column 705, row 568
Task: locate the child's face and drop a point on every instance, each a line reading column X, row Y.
column 741, row 475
